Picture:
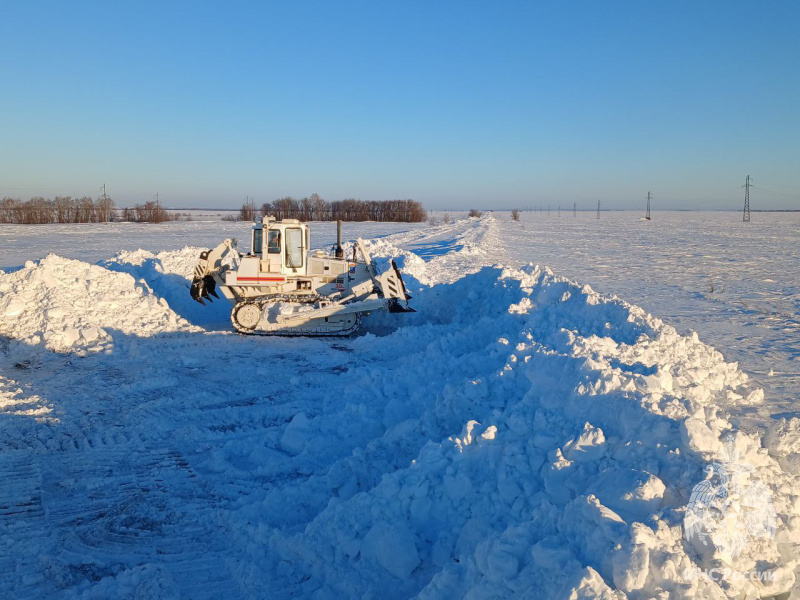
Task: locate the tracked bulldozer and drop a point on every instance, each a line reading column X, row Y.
column 283, row 288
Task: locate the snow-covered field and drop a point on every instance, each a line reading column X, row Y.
column 521, row 435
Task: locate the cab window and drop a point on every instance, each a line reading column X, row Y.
column 257, row 239
column 274, row 241
column 294, row 248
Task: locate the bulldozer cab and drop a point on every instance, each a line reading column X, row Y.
column 282, row 246
column 269, row 243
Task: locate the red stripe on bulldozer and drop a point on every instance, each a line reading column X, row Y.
column 260, row 279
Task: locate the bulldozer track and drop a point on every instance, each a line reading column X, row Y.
column 289, row 332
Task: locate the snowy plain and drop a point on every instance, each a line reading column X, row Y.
column 521, row 435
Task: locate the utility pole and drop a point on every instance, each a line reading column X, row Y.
column 250, row 203
column 648, row 206
column 559, row 210
column 598, row 209
column 574, row 209
column 105, row 202
column 548, row 210
column 746, row 211
column 158, row 211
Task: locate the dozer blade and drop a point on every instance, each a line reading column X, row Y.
column 394, row 290
column 402, row 283
column 396, row 307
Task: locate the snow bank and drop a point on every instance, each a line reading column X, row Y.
column 584, row 425
column 72, row 306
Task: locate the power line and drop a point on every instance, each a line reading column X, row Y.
column 784, row 193
column 779, row 186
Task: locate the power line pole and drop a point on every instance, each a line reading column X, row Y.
column 105, row 202
column 158, row 210
column 598, row 209
column 574, row 209
column 648, row 206
column 559, row 210
column 746, row 211
column 250, row 204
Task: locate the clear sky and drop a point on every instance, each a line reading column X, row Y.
column 494, row 104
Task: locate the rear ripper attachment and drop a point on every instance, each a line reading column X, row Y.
column 203, row 287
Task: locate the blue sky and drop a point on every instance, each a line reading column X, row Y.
column 456, row 104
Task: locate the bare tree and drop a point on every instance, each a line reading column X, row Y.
column 475, row 213
column 149, row 212
column 321, row 210
column 515, row 214
column 104, row 208
column 306, row 209
column 247, row 212
column 8, row 210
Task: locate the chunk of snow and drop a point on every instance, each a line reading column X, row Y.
column 392, row 547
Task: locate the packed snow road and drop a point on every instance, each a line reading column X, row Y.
column 519, row 436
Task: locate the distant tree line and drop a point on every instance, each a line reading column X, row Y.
column 66, row 209
column 149, row 212
column 314, row 208
column 61, row 209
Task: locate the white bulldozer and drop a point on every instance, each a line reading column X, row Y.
column 282, row 288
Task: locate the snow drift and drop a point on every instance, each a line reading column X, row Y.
column 518, row 436
column 71, row 305
column 579, row 426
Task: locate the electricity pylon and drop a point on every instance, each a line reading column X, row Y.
column 746, row 211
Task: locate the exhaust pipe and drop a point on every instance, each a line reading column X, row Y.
column 339, row 253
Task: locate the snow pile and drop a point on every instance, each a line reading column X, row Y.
column 783, row 442
column 518, row 436
column 584, row 425
column 72, row 306
column 140, row 262
column 168, row 274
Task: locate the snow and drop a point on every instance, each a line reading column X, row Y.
column 521, row 435
column 98, row 241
